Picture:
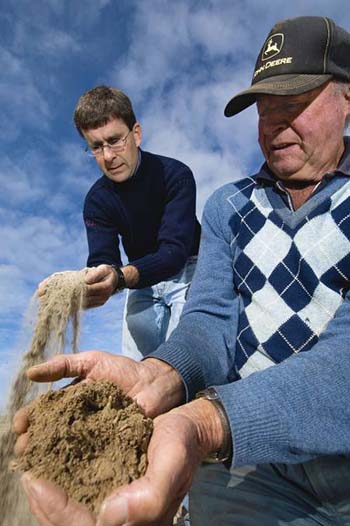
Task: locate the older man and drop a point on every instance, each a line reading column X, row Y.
column 265, row 334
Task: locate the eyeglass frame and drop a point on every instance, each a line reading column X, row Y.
column 120, row 144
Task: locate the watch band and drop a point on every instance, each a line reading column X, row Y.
column 225, row 451
column 121, row 283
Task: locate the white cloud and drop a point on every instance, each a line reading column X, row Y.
column 16, row 183
column 13, row 290
column 46, row 41
column 41, row 245
column 19, row 96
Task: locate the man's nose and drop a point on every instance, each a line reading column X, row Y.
column 108, row 153
column 273, row 122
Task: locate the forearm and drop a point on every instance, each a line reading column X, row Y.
column 201, row 349
column 177, row 235
column 167, row 261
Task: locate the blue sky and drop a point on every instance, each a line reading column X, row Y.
column 179, row 61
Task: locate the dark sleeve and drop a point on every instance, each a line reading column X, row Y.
column 102, row 231
column 176, row 233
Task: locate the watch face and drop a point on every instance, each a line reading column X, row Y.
column 121, row 279
column 121, row 283
column 212, row 394
column 209, row 393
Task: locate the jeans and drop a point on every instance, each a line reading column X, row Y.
column 152, row 313
column 309, row 494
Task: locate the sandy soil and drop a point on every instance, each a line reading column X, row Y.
column 89, row 439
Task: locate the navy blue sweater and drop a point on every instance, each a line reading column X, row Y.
column 152, row 213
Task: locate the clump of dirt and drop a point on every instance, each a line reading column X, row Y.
column 57, row 307
column 89, row 439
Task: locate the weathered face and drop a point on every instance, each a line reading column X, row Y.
column 118, row 166
column 301, row 136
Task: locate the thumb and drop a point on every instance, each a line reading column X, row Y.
column 97, row 274
column 51, row 505
column 136, row 504
column 93, row 275
column 114, row 511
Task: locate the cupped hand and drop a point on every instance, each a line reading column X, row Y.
column 152, row 383
column 41, row 289
column 100, row 282
column 174, row 452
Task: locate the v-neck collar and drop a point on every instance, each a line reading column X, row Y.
column 329, row 184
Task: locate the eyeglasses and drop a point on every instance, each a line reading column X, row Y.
column 115, row 145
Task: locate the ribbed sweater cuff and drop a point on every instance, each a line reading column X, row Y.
column 183, row 362
column 256, row 424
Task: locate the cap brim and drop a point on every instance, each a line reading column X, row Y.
column 278, row 85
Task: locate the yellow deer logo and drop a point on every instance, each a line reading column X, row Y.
column 273, row 46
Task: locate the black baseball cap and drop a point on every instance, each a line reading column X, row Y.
column 299, row 54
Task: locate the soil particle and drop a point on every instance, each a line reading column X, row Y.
column 88, row 438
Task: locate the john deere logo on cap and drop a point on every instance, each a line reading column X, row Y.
column 273, row 46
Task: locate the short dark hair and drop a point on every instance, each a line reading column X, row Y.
column 99, row 105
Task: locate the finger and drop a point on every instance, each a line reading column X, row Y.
column 20, row 420
column 96, row 296
column 97, row 291
column 100, row 288
column 87, row 306
column 52, row 506
column 90, row 304
column 21, row 444
column 64, row 366
column 97, row 274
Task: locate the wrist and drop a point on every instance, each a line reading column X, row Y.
column 220, row 445
column 130, row 275
column 207, row 424
column 166, row 381
column 120, row 279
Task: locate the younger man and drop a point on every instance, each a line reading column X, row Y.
column 147, row 202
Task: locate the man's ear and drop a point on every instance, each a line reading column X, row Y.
column 137, row 132
column 347, row 92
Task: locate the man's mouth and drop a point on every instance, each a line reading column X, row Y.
column 115, row 168
column 281, row 146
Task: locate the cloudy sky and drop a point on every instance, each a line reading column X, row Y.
column 179, row 60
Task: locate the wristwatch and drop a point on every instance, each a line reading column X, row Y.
column 225, row 451
column 121, row 283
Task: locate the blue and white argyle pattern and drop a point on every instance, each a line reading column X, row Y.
column 291, row 275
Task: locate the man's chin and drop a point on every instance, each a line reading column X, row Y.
column 287, row 171
column 117, row 176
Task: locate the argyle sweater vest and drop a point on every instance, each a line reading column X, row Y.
column 291, row 269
